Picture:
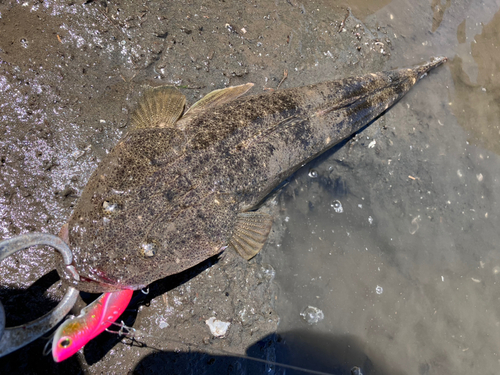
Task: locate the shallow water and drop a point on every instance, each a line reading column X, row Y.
column 411, row 266
column 392, row 236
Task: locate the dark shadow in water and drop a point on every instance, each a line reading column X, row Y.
column 310, row 351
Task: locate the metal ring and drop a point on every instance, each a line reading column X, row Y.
column 10, row 246
column 13, row 338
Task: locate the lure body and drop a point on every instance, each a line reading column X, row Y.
column 75, row 333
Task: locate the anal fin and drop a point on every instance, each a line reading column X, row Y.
column 250, row 233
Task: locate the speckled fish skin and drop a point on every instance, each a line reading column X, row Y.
column 165, row 199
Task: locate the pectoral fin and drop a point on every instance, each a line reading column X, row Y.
column 250, row 233
column 159, row 107
column 218, row 97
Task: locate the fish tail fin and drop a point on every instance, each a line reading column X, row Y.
column 421, row 70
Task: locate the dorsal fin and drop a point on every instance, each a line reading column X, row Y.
column 218, row 97
column 250, row 233
column 159, row 107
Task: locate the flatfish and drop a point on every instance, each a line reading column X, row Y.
column 181, row 187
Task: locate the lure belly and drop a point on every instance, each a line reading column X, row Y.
column 75, row 333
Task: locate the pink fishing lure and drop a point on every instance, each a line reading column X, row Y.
column 75, row 333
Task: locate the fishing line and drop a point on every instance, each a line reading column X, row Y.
column 130, row 333
column 47, row 349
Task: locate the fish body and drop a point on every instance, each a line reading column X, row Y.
column 178, row 189
column 75, row 332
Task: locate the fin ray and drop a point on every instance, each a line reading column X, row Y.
column 219, row 97
column 160, row 107
column 250, row 233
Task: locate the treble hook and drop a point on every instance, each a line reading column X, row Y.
column 13, row 338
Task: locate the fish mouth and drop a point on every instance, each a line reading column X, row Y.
column 93, row 286
column 91, row 280
column 94, row 281
column 104, row 285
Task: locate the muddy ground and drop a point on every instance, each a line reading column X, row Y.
column 70, row 74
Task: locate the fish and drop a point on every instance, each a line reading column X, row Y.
column 74, row 333
column 183, row 186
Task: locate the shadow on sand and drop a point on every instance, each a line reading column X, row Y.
column 302, row 352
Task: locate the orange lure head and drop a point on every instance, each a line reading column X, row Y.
column 75, row 333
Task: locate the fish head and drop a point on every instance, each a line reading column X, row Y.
column 122, row 251
column 141, row 217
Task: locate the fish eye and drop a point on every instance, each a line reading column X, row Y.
column 65, row 342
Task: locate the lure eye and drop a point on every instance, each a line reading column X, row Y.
column 65, row 342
